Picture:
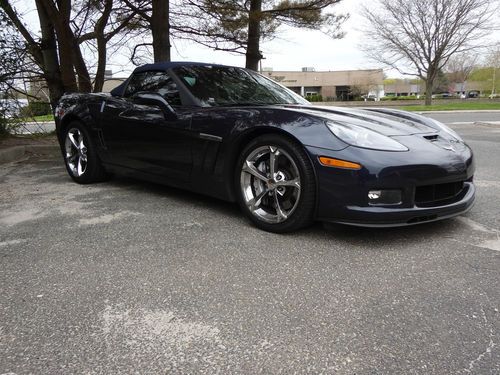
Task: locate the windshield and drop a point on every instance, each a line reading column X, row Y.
column 217, row 86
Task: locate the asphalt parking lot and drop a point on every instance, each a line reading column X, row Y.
column 131, row 277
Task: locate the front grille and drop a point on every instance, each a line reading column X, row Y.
column 435, row 195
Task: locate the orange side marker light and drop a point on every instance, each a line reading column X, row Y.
column 331, row 162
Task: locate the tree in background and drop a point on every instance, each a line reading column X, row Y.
column 9, row 46
column 240, row 25
column 419, row 37
column 441, row 83
column 97, row 23
column 493, row 60
column 67, row 29
column 459, row 68
column 15, row 60
column 154, row 17
column 228, row 25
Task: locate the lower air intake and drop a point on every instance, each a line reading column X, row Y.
column 435, row 195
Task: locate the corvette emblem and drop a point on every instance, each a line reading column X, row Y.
column 449, row 148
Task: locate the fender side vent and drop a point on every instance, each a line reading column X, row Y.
column 101, row 139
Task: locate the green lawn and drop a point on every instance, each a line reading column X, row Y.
column 32, row 119
column 43, row 118
column 453, row 106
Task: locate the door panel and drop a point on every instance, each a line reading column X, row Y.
column 139, row 137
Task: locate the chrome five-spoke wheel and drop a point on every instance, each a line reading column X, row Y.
column 276, row 184
column 270, row 183
column 76, row 152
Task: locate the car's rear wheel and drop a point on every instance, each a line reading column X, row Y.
column 80, row 155
column 276, row 184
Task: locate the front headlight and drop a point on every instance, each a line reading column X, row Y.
column 365, row 138
column 446, row 129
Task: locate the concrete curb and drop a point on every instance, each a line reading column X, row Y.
column 460, row 111
column 14, row 153
column 401, row 107
column 491, row 124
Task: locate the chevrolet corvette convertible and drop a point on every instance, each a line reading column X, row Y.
column 236, row 135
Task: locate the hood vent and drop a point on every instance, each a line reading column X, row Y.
column 432, row 137
column 440, row 142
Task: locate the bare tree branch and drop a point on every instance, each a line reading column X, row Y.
column 419, row 37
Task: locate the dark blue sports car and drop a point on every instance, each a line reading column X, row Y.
column 236, row 135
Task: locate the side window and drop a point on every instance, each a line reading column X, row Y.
column 134, row 85
column 157, row 82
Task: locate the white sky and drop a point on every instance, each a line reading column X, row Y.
column 297, row 48
column 292, row 49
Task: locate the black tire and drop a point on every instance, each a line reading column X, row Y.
column 90, row 170
column 291, row 163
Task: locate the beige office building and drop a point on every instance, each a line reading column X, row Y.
column 333, row 85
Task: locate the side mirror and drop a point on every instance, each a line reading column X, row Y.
column 151, row 98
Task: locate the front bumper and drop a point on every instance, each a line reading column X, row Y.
column 395, row 217
column 343, row 194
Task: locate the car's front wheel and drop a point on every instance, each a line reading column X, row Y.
column 80, row 155
column 276, row 184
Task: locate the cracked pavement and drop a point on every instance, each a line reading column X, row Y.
column 131, row 277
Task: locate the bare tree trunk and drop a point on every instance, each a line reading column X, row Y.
column 429, row 80
column 67, row 69
column 253, row 55
column 65, row 46
column 70, row 54
column 50, row 64
column 102, row 45
column 160, row 28
column 101, row 64
column 84, row 82
column 428, row 92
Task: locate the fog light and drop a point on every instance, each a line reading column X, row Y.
column 384, row 197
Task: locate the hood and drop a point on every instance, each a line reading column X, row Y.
column 387, row 123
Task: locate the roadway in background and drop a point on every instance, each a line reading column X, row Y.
column 457, row 117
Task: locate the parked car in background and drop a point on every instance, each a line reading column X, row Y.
column 442, row 95
column 370, row 98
